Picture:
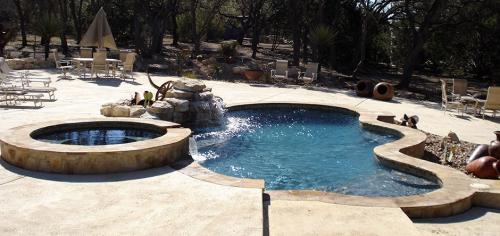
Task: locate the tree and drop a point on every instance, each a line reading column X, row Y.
column 77, row 18
column 47, row 27
column 371, row 11
column 63, row 18
column 419, row 38
column 22, row 12
column 201, row 13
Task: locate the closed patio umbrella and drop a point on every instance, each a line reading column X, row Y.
column 99, row 33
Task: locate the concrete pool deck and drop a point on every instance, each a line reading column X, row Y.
column 162, row 200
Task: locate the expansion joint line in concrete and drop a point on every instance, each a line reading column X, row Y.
column 361, row 102
column 10, row 181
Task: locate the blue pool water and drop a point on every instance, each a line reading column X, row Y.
column 98, row 136
column 295, row 148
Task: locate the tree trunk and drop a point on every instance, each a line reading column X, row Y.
column 421, row 36
column 46, row 50
column 305, row 44
column 5, row 36
column 195, row 39
column 175, row 36
column 63, row 6
column 296, row 30
column 76, row 15
column 255, row 41
column 22, row 22
column 361, row 45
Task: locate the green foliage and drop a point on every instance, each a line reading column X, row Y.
column 228, row 48
column 47, row 26
column 322, row 36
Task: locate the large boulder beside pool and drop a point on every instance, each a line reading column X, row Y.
column 189, row 85
column 162, row 109
column 188, row 101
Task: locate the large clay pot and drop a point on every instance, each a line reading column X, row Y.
column 383, row 91
column 484, row 167
column 253, row 74
column 480, row 151
column 494, row 149
column 364, row 88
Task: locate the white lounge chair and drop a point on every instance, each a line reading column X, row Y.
column 12, row 95
column 310, row 75
column 492, row 101
column 280, row 74
column 23, row 76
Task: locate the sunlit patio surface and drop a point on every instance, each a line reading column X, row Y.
column 166, row 201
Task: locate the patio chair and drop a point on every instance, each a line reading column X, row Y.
column 459, row 89
column 445, row 102
column 128, row 66
column 99, row 64
column 63, row 65
column 86, row 52
column 492, row 101
column 310, row 75
column 280, row 74
column 123, row 54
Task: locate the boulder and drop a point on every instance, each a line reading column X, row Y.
column 137, row 111
column 120, row 111
column 106, row 110
column 179, row 117
column 204, row 96
column 175, row 93
column 453, row 137
column 180, row 105
column 161, row 109
column 189, row 85
column 209, row 61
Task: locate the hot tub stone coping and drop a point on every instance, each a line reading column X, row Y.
column 20, row 149
column 453, row 197
column 21, row 136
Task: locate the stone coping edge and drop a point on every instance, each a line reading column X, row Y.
column 453, row 197
column 20, row 149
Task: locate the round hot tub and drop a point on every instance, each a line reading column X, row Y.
column 94, row 146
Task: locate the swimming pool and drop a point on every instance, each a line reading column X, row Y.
column 302, row 148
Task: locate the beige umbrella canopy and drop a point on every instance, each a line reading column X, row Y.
column 99, row 33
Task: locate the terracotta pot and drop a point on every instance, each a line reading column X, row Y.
column 383, row 91
column 480, row 151
column 364, row 88
column 484, row 167
column 494, row 149
column 253, row 74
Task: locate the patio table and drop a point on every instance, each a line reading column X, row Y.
column 86, row 61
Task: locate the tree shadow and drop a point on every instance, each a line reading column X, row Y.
column 19, row 107
column 473, row 213
column 110, row 82
column 116, row 177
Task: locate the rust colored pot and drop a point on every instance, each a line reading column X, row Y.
column 494, row 149
column 480, row 151
column 253, row 74
column 383, row 91
column 364, row 88
column 484, row 167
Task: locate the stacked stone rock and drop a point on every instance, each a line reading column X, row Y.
column 189, row 101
